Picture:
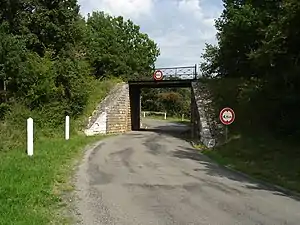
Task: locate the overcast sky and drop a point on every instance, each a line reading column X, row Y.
column 179, row 27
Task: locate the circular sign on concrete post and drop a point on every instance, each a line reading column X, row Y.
column 158, row 75
column 227, row 116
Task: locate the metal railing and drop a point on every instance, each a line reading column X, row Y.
column 181, row 73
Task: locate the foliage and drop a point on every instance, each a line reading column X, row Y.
column 97, row 90
column 53, row 156
column 174, row 101
column 43, row 25
column 252, row 147
column 257, row 68
column 50, row 57
column 258, row 42
column 50, row 62
column 116, row 47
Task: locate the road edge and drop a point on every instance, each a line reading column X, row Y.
column 271, row 186
column 77, row 195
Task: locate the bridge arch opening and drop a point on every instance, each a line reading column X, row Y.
column 135, row 96
column 179, row 77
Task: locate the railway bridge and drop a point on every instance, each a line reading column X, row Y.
column 120, row 111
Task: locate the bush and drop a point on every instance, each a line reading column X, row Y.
column 4, row 108
column 174, row 101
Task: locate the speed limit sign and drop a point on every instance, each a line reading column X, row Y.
column 158, row 75
column 227, row 116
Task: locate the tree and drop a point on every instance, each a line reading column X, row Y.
column 118, row 48
column 49, row 55
column 174, row 101
column 210, row 64
column 42, row 56
column 43, row 24
column 259, row 39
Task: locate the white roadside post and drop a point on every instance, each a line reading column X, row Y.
column 67, row 128
column 182, row 117
column 165, row 115
column 30, row 136
column 144, row 113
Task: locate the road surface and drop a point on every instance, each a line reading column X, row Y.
column 152, row 177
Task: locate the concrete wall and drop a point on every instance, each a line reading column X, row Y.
column 113, row 114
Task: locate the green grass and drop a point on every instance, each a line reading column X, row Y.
column 98, row 91
column 262, row 157
column 252, row 147
column 31, row 187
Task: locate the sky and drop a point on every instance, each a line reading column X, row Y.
column 179, row 27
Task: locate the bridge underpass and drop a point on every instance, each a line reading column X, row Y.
column 120, row 111
column 174, row 77
column 135, row 95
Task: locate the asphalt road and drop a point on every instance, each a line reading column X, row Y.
column 152, row 177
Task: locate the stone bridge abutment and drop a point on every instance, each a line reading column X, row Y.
column 119, row 112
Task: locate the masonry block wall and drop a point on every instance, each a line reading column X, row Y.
column 114, row 111
column 118, row 114
column 205, row 125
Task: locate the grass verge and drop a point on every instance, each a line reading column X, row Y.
column 98, row 91
column 252, row 147
column 261, row 157
column 31, row 190
column 31, row 187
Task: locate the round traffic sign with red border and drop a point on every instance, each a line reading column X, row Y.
column 158, row 75
column 227, row 116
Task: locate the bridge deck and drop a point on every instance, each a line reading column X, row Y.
column 161, row 84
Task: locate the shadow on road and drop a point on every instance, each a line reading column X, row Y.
column 211, row 168
column 180, row 130
column 184, row 134
column 214, row 169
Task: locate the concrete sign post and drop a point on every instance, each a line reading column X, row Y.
column 67, row 128
column 30, row 136
column 227, row 116
column 158, row 75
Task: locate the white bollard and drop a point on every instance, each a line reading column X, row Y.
column 144, row 114
column 165, row 116
column 30, row 136
column 67, row 128
column 182, row 117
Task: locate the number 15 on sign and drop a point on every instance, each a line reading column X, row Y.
column 227, row 117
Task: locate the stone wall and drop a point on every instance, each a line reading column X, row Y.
column 118, row 116
column 112, row 115
column 206, row 127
